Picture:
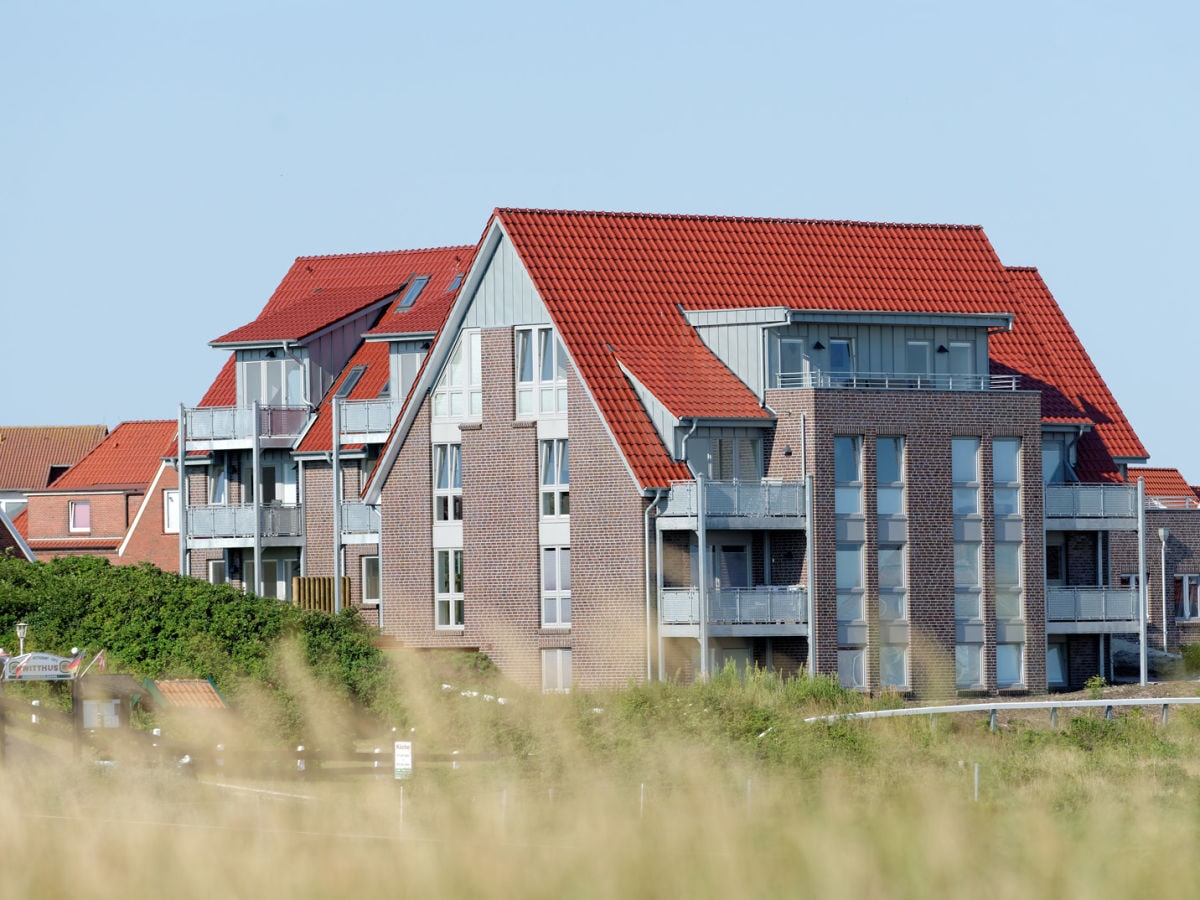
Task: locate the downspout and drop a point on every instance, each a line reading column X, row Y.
column 811, row 579
column 683, row 443
column 702, row 573
column 1164, row 535
column 337, row 506
column 256, row 474
column 183, row 491
column 1142, row 595
column 646, row 538
column 286, row 348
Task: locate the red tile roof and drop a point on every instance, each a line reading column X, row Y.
column 616, row 284
column 21, row 522
column 28, row 453
column 1162, row 482
column 189, row 693
column 1045, row 350
column 129, row 457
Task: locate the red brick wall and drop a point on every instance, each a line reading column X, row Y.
column 1183, row 558
column 928, row 422
column 148, row 542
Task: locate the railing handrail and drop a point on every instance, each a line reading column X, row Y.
column 240, row 424
column 1015, row 704
column 765, row 498
column 1116, row 604
column 723, row 600
column 896, row 381
column 1089, row 500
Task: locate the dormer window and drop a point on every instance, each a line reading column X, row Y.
column 270, row 379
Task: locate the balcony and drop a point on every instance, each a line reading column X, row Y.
column 734, row 505
column 236, row 524
column 1091, row 610
column 367, row 421
column 893, row 381
column 360, row 523
column 1091, row 507
column 757, row 611
column 236, row 427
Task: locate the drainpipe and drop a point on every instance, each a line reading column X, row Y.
column 256, row 474
column 287, row 351
column 183, row 491
column 811, row 579
column 683, row 443
column 646, row 539
column 804, row 445
column 1164, row 535
column 702, row 572
column 1142, row 595
column 337, row 506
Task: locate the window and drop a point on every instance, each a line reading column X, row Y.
column 1006, row 476
column 841, row 360
column 272, row 382
column 966, row 580
column 892, row 583
column 171, row 512
column 1054, row 459
column 735, row 459
column 556, row 479
column 1056, row 663
column 556, row 670
column 852, row 668
column 1008, row 580
column 893, row 665
column 968, row 671
column 1187, row 601
column 964, row 456
column 849, row 582
column 889, row 475
column 370, row 580
column 349, row 382
column 847, row 475
column 216, row 571
column 1056, row 553
column 541, row 373
column 556, row 587
column 218, row 486
column 447, row 482
column 1010, row 665
column 459, row 394
column 448, row 589
column 962, row 362
column 414, row 291
column 80, row 515
column 917, row 358
column 792, row 362
column 454, row 283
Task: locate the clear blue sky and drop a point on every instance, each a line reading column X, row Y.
column 163, row 163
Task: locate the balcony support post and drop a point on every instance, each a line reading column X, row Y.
column 810, row 577
column 337, row 506
column 1142, row 573
column 256, row 474
column 702, row 575
column 183, row 490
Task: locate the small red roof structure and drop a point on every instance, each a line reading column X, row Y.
column 129, row 457
column 1166, row 488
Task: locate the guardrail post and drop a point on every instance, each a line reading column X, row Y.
column 1164, row 714
column 1108, row 713
column 1054, row 717
column 991, row 727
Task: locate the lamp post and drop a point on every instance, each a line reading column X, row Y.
column 22, row 630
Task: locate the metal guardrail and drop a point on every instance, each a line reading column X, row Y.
column 762, row 499
column 237, row 423
column 1172, row 503
column 358, row 518
column 763, row 605
column 1091, row 605
column 993, row 708
column 368, row 416
column 1098, row 501
column 895, row 381
column 239, row 521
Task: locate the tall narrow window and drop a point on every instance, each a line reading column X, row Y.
column 793, row 365
column 889, row 475
column 556, row 670
column 847, row 475
column 216, row 571
column 80, row 513
column 917, row 358
column 965, row 474
column 556, row 479
column 447, row 482
column 556, row 587
column 370, row 580
column 849, row 583
column 841, row 360
column 217, row 484
column 448, row 588
column 541, row 368
column 968, row 588
column 170, row 512
column 962, row 363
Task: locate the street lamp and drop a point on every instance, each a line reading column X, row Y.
column 22, row 630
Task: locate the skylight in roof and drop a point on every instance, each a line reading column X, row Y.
column 414, row 290
column 455, row 283
column 351, row 380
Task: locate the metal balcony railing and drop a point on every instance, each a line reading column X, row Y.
column 763, row 605
column 368, row 416
column 239, row 521
column 1090, row 501
column 238, row 423
column 1092, row 604
column 358, row 518
column 737, row 498
column 895, row 381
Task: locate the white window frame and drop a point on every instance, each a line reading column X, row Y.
column 554, row 461
column 1188, row 604
column 447, row 492
column 459, row 392
column 257, row 378
column 556, row 587
column 218, row 484
column 902, row 650
column 366, row 561
column 848, row 493
column 539, row 352
column 1020, row 679
column 448, row 614
column 890, row 489
column 556, row 670
column 852, row 668
column 170, row 500
column 974, row 660
column 962, row 488
column 73, row 519
column 216, row 566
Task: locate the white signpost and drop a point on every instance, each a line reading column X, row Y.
column 404, row 764
column 38, row 667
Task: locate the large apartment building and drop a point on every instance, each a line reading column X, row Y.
column 612, row 447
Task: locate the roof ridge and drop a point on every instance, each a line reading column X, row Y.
column 353, row 254
column 696, row 217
